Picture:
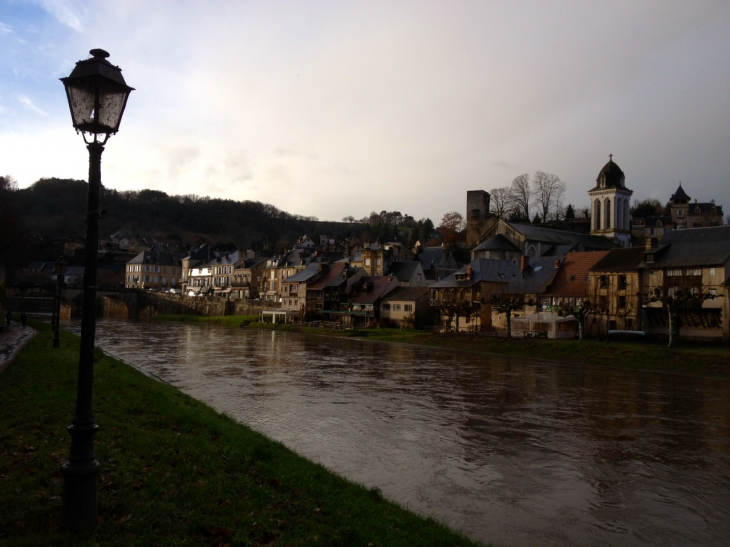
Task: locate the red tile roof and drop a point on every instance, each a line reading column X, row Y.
column 572, row 276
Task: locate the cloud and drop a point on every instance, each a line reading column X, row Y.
column 29, row 104
column 67, row 12
column 5, row 29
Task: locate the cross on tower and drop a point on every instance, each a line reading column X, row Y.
column 610, row 157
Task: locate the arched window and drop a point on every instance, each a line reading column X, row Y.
column 607, row 205
column 627, row 220
column 597, row 216
column 619, row 214
column 531, row 251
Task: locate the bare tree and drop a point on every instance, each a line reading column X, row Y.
column 501, row 201
column 520, row 194
column 548, row 191
column 581, row 313
column 675, row 299
column 452, row 224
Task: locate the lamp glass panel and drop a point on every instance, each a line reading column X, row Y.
column 111, row 105
column 81, row 101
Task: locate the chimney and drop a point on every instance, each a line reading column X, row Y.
column 557, row 263
column 468, row 272
column 649, row 243
column 524, row 262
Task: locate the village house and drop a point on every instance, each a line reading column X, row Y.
column 615, row 289
column 213, row 276
column 695, row 261
column 246, row 277
column 294, row 295
column 278, row 268
column 407, row 307
column 686, row 214
column 363, row 306
column 409, row 274
column 155, row 271
column 326, row 294
column 570, row 285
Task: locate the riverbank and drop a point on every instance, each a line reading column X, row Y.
column 174, row 471
column 693, row 359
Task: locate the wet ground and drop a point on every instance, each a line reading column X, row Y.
column 507, row 450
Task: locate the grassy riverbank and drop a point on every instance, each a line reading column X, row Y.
column 226, row 320
column 694, row 359
column 174, row 471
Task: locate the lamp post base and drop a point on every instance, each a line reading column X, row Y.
column 79, row 474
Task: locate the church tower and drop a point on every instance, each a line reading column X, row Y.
column 610, row 205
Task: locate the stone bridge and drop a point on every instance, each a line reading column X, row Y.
column 128, row 303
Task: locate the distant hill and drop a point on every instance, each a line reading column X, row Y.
column 57, row 207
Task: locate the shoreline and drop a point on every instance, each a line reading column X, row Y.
column 690, row 359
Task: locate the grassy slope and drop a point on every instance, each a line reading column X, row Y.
column 174, row 472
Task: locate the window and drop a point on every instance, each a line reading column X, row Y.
column 608, row 214
column 602, row 281
column 272, row 274
column 713, row 292
column 377, row 262
column 157, row 269
column 622, row 302
column 680, row 213
column 693, row 271
column 418, row 278
column 674, row 272
column 172, row 281
column 147, row 268
column 367, row 262
column 396, row 307
column 386, row 307
column 712, row 271
column 164, row 281
column 156, row 279
column 408, row 308
column 622, row 282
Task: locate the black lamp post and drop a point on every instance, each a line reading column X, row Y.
column 97, row 95
column 60, row 270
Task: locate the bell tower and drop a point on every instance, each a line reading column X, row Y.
column 610, row 201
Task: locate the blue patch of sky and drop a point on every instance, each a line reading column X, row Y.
column 33, row 44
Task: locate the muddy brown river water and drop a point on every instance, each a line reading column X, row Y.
column 508, row 450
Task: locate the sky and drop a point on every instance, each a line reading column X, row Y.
column 338, row 108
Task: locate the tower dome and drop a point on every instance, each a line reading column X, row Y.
column 611, row 176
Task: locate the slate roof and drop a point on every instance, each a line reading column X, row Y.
column 436, row 256
column 496, row 270
column 610, row 176
column 403, row 271
column 679, row 194
column 620, row 260
column 550, row 235
column 497, row 243
column 693, row 247
column 405, row 294
column 332, row 277
column 704, row 208
column 571, row 278
column 163, row 259
column 379, row 287
column 306, row 274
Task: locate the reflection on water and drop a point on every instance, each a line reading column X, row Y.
column 506, row 450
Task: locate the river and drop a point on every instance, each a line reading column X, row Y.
column 508, row 450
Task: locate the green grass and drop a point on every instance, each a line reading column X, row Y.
column 226, row 320
column 174, row 471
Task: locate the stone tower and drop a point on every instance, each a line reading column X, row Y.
column 477, row 216
column 610, row 205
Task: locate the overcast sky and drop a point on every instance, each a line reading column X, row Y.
column 335, row 108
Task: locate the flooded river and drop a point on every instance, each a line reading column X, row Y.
column 507, row 450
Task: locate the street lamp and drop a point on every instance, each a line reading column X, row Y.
column 60, row 270
column 97, row 95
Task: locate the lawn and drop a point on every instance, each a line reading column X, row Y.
column 174, row 471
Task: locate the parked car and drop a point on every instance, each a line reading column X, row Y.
column 173, row 290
